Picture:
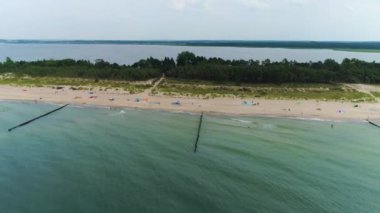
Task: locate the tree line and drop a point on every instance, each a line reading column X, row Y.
column 189, row 66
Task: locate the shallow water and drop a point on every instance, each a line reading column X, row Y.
column 128, row 54
column 101, row 160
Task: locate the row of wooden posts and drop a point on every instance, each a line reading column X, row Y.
column 59, row 108
column 195, row 144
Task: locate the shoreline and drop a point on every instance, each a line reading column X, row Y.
column 116, row 99
column 83, row 106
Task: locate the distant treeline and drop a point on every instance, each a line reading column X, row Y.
column 189, row 66
column 369, row 45
column 98, row 70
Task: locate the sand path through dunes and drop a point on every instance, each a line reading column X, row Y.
column 365, row 88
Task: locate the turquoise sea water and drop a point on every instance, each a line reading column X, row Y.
column 102, row 160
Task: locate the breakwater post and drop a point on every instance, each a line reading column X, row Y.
column 199, row 132
column 36, row 118
column 373, row 124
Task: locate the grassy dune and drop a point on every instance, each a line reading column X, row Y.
column 267, row 91
column 75, row 83
column 376, row 94
column 205, row 89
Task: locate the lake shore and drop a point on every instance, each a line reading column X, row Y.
column 310, row 109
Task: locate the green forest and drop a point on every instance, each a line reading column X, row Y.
column 189, row 66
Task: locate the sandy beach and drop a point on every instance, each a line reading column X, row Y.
column 328, row 110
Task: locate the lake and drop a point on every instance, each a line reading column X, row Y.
column 128, row 54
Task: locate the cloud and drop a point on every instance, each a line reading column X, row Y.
column 183, row 4
column 268, row 4
column 298, row 1
column 260, row 4
column 254, row 4
column 191, row 19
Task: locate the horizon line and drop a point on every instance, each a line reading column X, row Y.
column 186, row 40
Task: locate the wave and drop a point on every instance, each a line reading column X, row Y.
column 242, row 121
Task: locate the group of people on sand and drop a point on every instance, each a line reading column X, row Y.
column 138, row 100
column 250, row 103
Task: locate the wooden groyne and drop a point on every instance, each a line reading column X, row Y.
column 373, row 124
column 199, row 132
column 36, row 118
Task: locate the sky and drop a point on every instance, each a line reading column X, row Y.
column 319, row 20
